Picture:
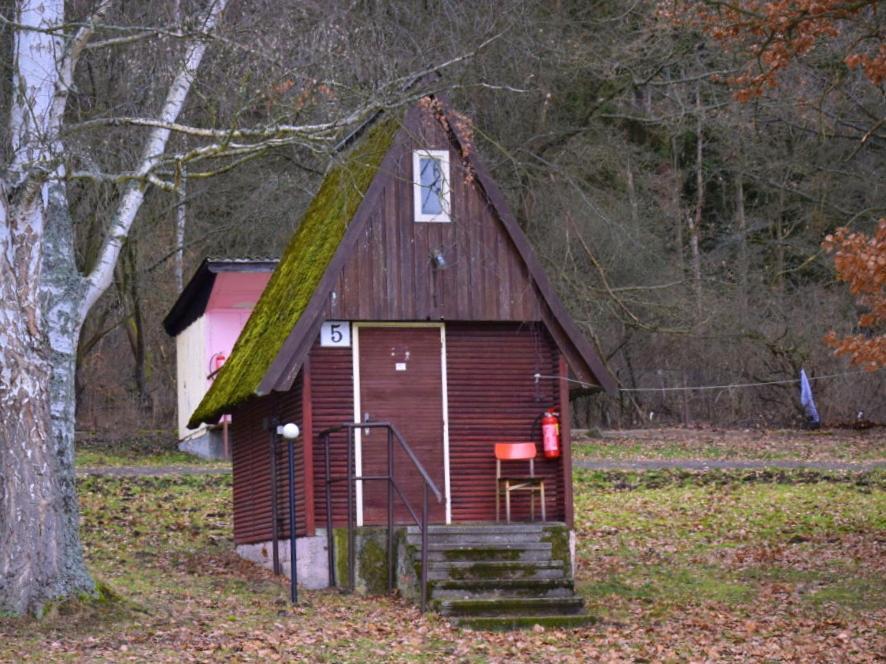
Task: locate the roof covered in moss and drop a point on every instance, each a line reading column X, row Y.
column 298, row 274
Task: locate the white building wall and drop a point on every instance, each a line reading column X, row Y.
column 191, row 370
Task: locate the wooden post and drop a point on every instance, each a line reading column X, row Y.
column 566, row 439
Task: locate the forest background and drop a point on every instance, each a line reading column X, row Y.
column 677, row 196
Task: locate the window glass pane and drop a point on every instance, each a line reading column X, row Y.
column 431, row 180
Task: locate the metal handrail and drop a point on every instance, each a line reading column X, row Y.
column 403, row 444
column 352, row 478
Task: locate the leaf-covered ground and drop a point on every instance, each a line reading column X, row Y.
column 678, row 567
column 846, row 445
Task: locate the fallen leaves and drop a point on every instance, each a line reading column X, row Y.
column 679, row 573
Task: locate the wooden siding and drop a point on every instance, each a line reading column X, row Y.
column 332, row 391
column 493, row 397
column 390, row 276
column 410, row 398
column 252, row 468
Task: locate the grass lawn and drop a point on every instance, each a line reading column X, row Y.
column 149, row 449
column 678, row 566
column 842, row 445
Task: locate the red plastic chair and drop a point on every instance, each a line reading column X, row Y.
column 506, row 484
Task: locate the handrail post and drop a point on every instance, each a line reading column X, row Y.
column 391, row 557
column 424, row 550
column 293, row 557
column 352, row 573
column 330, row 539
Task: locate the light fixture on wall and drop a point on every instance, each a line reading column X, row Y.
column 438, row 259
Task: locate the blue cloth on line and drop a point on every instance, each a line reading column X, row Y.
column 806, row 399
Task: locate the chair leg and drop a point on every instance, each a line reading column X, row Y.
column 508, row 501
column 497, row 501
column 532, row 504
column 542, row 492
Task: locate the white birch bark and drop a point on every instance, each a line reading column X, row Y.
column 44, row 301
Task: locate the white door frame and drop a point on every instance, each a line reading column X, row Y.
column 358, row 411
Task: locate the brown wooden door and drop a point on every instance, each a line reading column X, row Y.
column 401, row 382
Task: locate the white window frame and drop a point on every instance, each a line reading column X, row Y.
column 443, row 157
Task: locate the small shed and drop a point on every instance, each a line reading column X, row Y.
column 206, row 320
column 408, row 295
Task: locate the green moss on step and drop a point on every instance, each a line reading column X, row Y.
column 485, row 570
column 373, row 566
column 340, row 540
column 482, row 553
column 297, row 275
column 558, row 538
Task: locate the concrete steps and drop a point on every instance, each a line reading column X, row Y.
column 496, row 569
column 501, row 576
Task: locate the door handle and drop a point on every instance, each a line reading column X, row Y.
column 366, row 418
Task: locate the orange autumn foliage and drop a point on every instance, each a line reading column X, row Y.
column 776, row 32
column 860, row 261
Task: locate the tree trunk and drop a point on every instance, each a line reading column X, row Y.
column 677, row 196
column 44, row 301
column 181, row 220
column 694, row 220
column 632, row 195
column 40, row 553
column 741, row 225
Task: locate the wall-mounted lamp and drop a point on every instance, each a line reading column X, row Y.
column 289, row 431
column 438, row 259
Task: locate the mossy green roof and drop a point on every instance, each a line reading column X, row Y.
column 298, row 274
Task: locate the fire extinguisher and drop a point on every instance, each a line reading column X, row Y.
column 217, row 361
column 550, row 434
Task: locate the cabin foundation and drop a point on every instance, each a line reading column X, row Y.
column 207, row 444
column 462, row 552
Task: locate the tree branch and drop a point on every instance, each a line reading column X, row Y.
column 102, row 274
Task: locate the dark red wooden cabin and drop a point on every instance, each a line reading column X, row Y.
column 432, row 314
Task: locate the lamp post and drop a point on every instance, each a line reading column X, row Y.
column 290, row 433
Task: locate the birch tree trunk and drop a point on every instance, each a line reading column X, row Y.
column 44, row 301
column 40, row 553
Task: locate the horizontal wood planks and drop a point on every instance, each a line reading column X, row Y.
column 251, row 460
column 332, row 390
column 493, row 397
column 390, row 274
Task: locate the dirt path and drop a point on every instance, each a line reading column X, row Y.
column 718, row 464
column 150, row 471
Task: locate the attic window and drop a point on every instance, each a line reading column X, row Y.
column 431, row 185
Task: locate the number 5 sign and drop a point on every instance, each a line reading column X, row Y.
column 336, row 333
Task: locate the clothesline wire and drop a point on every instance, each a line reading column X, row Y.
column 684, row 388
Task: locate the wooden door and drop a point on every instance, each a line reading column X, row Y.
column 401, row 382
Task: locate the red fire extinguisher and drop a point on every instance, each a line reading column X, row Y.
column 550, row 434
column 217, row 361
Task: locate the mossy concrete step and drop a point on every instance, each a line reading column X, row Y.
column 491, row 528
column 480, row 539
column 507, row 623
column 511, row 606
column 494, row 551
column 492, row 588
column 495, row 569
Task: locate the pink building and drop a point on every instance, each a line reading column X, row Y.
column 206, row 320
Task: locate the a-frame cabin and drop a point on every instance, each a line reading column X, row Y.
column 408, row 295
